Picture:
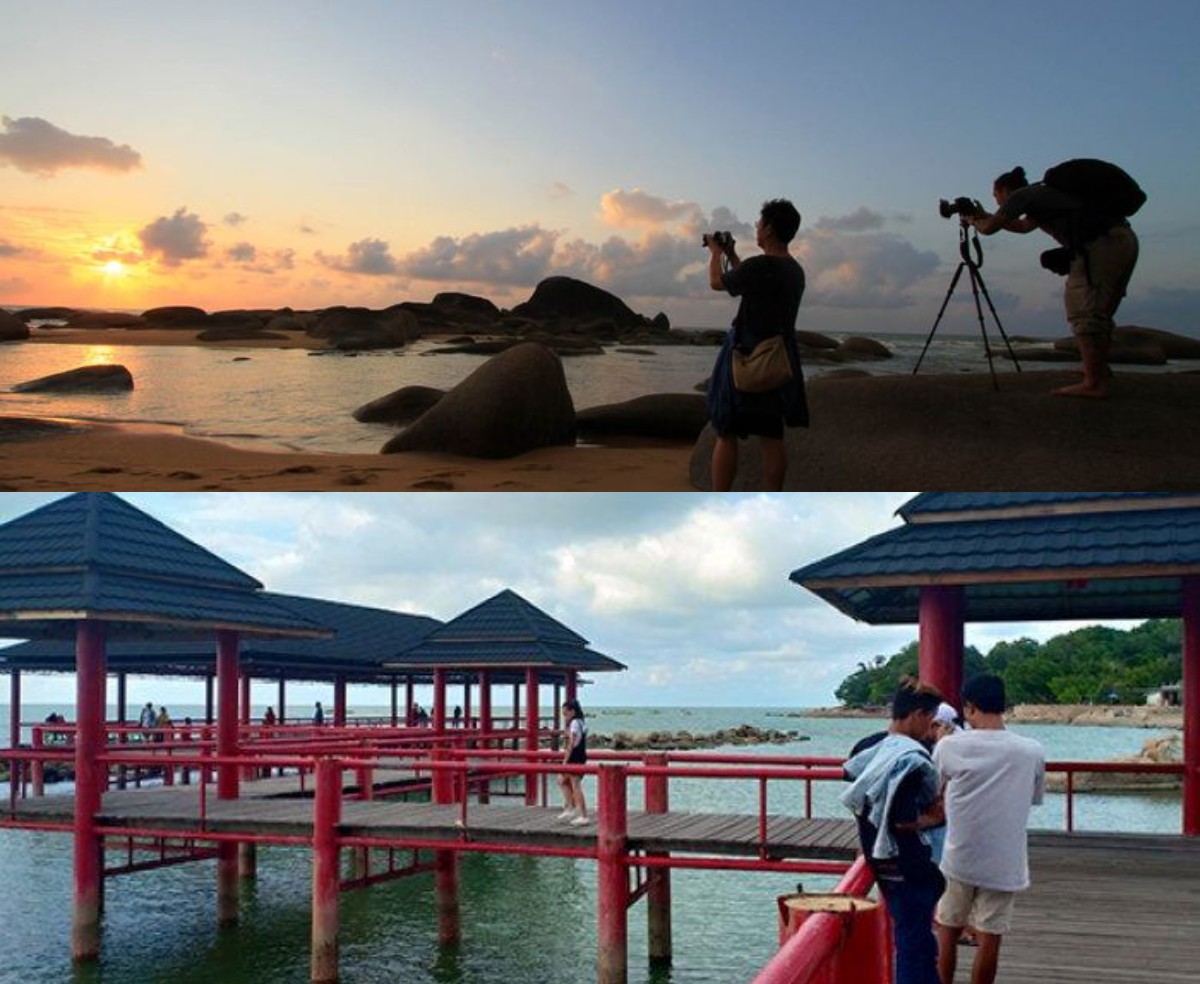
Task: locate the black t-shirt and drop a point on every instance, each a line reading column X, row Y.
column 770, row 288
column 914, row 861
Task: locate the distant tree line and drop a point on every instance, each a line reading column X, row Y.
column 1096, row 665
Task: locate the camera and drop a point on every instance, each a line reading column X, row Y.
column 723, row 239
column 960, row 206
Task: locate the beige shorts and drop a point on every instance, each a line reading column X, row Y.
column 1092, row 302
column 980, row 908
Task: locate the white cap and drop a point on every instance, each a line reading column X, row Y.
column 946, row 714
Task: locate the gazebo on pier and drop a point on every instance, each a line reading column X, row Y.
column 98, row 586
column 1029, row 556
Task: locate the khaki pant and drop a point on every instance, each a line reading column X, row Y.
column 1094, row 291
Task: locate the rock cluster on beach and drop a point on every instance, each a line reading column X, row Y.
column 664, row 741
column 1156, row 751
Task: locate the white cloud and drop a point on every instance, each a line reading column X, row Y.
column 39, row 147
column 176, row 238
column 868, row 270
column 371, row 257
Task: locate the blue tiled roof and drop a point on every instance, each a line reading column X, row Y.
column 505, row 630
column 1119, row 564
column 950, row 502
column 363, row 638
column 92, row 554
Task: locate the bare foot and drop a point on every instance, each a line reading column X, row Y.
column 1081, row 389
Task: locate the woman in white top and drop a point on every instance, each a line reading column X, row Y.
column 575, row 806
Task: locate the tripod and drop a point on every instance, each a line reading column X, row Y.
column 968, row 239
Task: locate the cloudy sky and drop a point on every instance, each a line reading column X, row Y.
column 690, row 591
column 308, row 153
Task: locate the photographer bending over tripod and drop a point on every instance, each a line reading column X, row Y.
column 770, row 287
column 1099, row 252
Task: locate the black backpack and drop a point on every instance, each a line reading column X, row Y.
column 1102, row 187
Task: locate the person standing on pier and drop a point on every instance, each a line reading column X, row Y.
column 990, row 779
column 572, row 785
column 894, row 798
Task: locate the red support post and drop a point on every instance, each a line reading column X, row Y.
column 1191, row 706
column 658, row 896
column 228, row 781
column 244, row 698
column 327, row 815
column 466, row 705
column 942, row 639
column 531, row 733
column 14, row 727
column 339, row 701
column 439, row 701
column 612, row 877
column 89, row 789
column 485, row 725
column 281, row 717
column 572, row 685
column 395, row 702
column 445, row 863
column 409, row 720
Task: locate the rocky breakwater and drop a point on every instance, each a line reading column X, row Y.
column 677, row 741
column 1167, row 750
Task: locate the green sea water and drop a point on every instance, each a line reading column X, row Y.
column 524, row 920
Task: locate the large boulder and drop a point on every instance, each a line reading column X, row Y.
column 1173, row 346
column 12, row 328
column 105, row 319
column 513, row 403
column 467, row 307
column 352, row 329
column 667, row 416
column 105, row 378
column 401, row 406
column 176, row 316
column 45, row 314
column 565, row 297
column 856, row 347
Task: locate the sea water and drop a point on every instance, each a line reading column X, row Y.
column 524, row 920
column 290, row 399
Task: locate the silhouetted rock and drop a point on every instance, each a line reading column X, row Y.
column 399, row 407
column 105, row 319
column 176, row 316
column 565, row 297
column 513, row 403
column 814, row 340
column 86, row 379
column 669, row 416
column 45, row 314
column 361, row 328
column 1173, row 346
column 467, row 305
column 12, row 328
column 855, row 348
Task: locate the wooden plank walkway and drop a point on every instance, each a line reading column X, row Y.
column 1117, row 909
column 281, row 813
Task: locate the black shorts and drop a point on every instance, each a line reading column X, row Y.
column 578, row 756
column 757, row 423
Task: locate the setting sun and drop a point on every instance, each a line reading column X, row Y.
column 114, row 268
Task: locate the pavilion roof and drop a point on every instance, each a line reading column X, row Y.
column 363, row 638
column 93, row 555
column 504, row 631
column 1021, row 557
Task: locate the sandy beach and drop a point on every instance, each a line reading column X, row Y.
column 872, row 433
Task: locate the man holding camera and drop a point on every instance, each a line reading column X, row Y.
column 1098, row 255
column 770, row 288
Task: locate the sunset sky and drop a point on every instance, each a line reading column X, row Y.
column 262, row 153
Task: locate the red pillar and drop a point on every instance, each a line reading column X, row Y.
column 339, row 701
column 572, row 686
column 227, row 775
column 485, row 701
column 612, row 877
column 409, row 720
column 89, row 789
column 327, row 814
column 941, row 640
column 439, row 701
column 445, row 863
column 244, row 699
column 395, row 702
column 14, row 722
column 531, row 734
column 208, row 699
column 658, row 895
column 1191, row 706
column 281, row 717
column 466, row 705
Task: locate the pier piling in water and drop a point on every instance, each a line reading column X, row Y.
column 612, row 877
column 327, row 814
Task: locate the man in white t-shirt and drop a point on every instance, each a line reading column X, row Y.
column 990, row 779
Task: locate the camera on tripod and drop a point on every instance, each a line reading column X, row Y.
column 962, row 205
column 724, row 240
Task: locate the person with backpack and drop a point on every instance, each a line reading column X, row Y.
column 1084, row 205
